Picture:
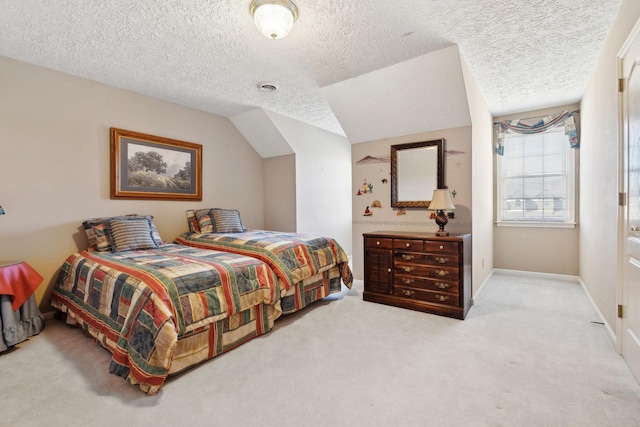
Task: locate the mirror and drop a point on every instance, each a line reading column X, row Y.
column 417, row 169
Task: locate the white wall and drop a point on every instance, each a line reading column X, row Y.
column 280, row 193
column 54, row 163
column 598, row 170
column 323, row 179
column 482, row 239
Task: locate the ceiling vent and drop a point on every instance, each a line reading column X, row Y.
column 267, row 87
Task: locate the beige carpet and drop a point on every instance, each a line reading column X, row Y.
column 528, row 354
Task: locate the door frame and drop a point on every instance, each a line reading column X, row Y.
column 623, row 222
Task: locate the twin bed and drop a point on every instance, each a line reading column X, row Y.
column 160, row 308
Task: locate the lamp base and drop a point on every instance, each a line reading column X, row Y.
column 441, row 220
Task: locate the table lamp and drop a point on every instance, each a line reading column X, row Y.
column 441, row 202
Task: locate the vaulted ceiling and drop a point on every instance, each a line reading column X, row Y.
column 344, row 65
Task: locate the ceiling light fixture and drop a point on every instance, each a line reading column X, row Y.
column 274, row 18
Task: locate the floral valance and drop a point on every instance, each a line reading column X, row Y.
column 538, row 125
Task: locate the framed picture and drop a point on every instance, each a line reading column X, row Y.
column 151, row 167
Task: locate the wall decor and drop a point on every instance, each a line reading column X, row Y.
column 365, row 188
column 368, row 159
column 152, row 167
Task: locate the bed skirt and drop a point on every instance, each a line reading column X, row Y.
column 197, row 346
column 312, row 289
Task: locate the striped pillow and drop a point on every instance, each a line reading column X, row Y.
column 97, row 230
column 131, row 235
column 226, row 221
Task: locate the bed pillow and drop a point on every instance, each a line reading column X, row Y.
column 204, row 220
column 97, row 230
column 192, row 221
column 131, row 234
column 226, row 221
column 98, row 234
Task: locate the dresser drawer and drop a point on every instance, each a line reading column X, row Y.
column 409, row 244
column 374, row 242
column 437, row 285
column 439, row 272
column 428, row 296
column 444, row 259
column 436, row 247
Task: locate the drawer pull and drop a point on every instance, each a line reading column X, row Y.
column 378, row 243
column 442, row 298
column 442, row 273
column 407, row 257
column 407, row 281
column 408, row 245
column 408, row 292
column 441, row 247
column 441, row 285
column 388, row 270
column 442, row 260
column 407, row 269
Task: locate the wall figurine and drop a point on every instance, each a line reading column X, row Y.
column 365, row 188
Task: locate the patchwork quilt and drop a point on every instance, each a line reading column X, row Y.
column 141, row 303
column 294, row 257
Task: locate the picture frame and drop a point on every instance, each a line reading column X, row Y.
column 152, row 167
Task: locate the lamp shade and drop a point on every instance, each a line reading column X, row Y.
column 441, row 200
column 274, row 18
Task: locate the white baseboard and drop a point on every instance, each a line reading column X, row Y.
column 550, row 276
column 610, row 332
column 474, row 295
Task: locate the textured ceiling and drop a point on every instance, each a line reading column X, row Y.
column 207, row 54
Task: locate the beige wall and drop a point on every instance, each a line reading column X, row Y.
column 280, row 193
column 54, row 163
column 457, row 177
column 542, row 250
column 598, row 172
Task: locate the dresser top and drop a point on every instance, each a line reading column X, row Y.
column 414, row 235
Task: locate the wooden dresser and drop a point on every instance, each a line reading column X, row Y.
column 419, row 271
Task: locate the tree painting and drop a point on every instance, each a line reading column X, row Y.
column 153, row 167
column 147, row 162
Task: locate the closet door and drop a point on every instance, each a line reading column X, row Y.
column 629, row 306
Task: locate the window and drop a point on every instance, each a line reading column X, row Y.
column 536, row 179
